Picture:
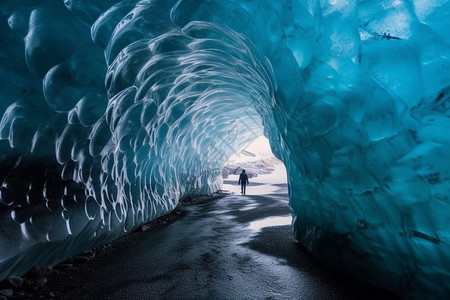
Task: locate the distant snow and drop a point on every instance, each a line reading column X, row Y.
column 258, row 161
column 258, row 149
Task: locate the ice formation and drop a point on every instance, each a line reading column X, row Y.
column 113, row 110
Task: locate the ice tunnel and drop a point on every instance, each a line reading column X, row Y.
column 111, row 111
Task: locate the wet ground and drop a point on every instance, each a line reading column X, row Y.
column 232, row 247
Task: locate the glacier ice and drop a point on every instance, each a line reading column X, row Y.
column 111, row 111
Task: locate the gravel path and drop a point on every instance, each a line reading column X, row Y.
column 215, row 249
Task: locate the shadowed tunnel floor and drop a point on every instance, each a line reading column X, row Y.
column 211, row 252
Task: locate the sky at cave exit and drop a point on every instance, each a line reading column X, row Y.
column 261, row 148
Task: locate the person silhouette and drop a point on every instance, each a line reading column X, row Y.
column 243, row 181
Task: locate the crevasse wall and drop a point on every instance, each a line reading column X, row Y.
column 113, row 110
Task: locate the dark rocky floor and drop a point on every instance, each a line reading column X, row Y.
column 203, row 251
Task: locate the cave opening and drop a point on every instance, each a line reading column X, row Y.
column 266, row 195
column 259, row 162
column 131, row 105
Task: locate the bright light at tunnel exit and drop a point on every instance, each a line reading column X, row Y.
column 256, row 155
column 259, row 150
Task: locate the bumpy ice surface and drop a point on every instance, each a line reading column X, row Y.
column 111, row 111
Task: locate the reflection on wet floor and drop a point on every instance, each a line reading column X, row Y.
column 270, row 222
column 233, row 247
column 251, row 204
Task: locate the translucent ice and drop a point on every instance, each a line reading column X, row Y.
column 111, row 111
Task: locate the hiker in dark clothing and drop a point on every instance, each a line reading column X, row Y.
column 243, row 181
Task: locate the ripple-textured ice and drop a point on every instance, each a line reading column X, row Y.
column 113, row 110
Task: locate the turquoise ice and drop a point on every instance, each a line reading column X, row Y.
column 111, row 111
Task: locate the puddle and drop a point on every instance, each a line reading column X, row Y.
column 270, row 221
column 249, row 207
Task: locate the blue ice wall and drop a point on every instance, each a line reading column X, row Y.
column 111, row 111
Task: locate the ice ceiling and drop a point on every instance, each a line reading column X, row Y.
column 113, row 110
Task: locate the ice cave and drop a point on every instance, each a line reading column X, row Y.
column 111, row 111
